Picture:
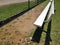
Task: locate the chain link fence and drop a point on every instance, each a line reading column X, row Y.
column 18, row 10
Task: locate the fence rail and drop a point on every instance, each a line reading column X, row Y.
column 26, row 6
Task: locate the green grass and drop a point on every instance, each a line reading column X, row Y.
column 56, row 24
column 9, row 10
column 12, row 9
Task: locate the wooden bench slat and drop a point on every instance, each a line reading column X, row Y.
column 51, row 12
column 41, row 18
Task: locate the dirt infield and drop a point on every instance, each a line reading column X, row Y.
column 18, row 31
column 6, row 2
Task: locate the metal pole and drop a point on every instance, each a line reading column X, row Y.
column 28, row 4
column 37, row 2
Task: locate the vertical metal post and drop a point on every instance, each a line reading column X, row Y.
column 37, row 2
column 28, row 4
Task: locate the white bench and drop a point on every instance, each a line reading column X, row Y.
column 40, row 20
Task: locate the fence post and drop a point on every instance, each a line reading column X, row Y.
column 37, row 2
column 28, row 4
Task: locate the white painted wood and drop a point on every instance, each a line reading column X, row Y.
column 41, row 18
column 50, row 0
column 51, row 12
column 49, row 15
column 53, row 7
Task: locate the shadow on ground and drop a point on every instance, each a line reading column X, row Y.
column 48, row 38
column 38, row 34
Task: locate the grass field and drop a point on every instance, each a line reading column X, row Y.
column 12, row 9
column 9, row 10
